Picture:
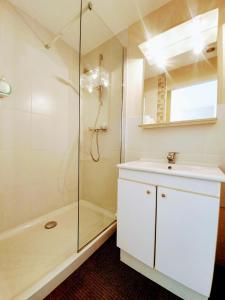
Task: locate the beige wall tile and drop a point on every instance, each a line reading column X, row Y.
column 38, row 122
column 99, row 180
column 196, row 144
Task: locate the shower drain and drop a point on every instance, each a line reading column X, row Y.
column 50, row 224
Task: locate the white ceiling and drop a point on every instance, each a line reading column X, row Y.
column 117, row 14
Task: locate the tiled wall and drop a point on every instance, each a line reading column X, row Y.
column 99, row 180
column 203, row 144
column 38, row 122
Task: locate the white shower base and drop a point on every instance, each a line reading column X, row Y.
column 34, row 260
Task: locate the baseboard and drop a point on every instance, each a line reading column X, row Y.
column 173, row 286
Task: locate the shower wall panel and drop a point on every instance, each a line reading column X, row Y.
column 98, row 180
column 100, row 125
column 38, row 122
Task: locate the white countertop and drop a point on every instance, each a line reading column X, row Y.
column 190, row 171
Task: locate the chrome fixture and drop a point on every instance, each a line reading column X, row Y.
column 96, row 79
column 171, row 157
column 101, row 128
column 5, row 88
column 50, row 225
column 211, row 49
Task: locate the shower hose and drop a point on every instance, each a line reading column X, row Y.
column 95, row 137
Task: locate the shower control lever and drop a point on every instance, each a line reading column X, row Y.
column 148, row 192
column 97, row 129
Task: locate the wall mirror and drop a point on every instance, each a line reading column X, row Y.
column 180, row 74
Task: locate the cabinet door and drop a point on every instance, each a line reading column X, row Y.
column 186, row 237
column 136, row 220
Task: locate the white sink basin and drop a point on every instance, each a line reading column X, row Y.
column 200, row 172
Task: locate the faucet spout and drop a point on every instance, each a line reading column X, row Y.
column 171, row 157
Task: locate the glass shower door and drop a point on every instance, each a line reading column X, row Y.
column 101, row 77
column 39, row 58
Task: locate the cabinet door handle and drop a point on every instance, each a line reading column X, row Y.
column 163, row 195
column 148, row 192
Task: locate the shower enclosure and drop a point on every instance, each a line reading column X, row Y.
column 101, row 76
column 60, row 138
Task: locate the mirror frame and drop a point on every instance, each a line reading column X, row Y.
column 203, row 121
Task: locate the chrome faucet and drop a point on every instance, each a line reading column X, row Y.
column 171, row 157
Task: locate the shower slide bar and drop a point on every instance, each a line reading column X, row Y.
column 88, row 7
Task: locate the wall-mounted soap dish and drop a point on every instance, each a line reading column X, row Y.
column 5, row 88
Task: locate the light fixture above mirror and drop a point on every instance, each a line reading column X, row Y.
column 180, row 74
column 191, row 37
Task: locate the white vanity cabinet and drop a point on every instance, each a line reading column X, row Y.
column 186, row 235
column 136, row 220
column 167, row 224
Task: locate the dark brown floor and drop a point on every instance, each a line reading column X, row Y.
column 104, row 277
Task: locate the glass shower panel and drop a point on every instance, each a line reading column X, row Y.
column 101, row 78
column 38, row 140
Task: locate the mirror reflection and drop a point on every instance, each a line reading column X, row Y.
column 180, row 76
